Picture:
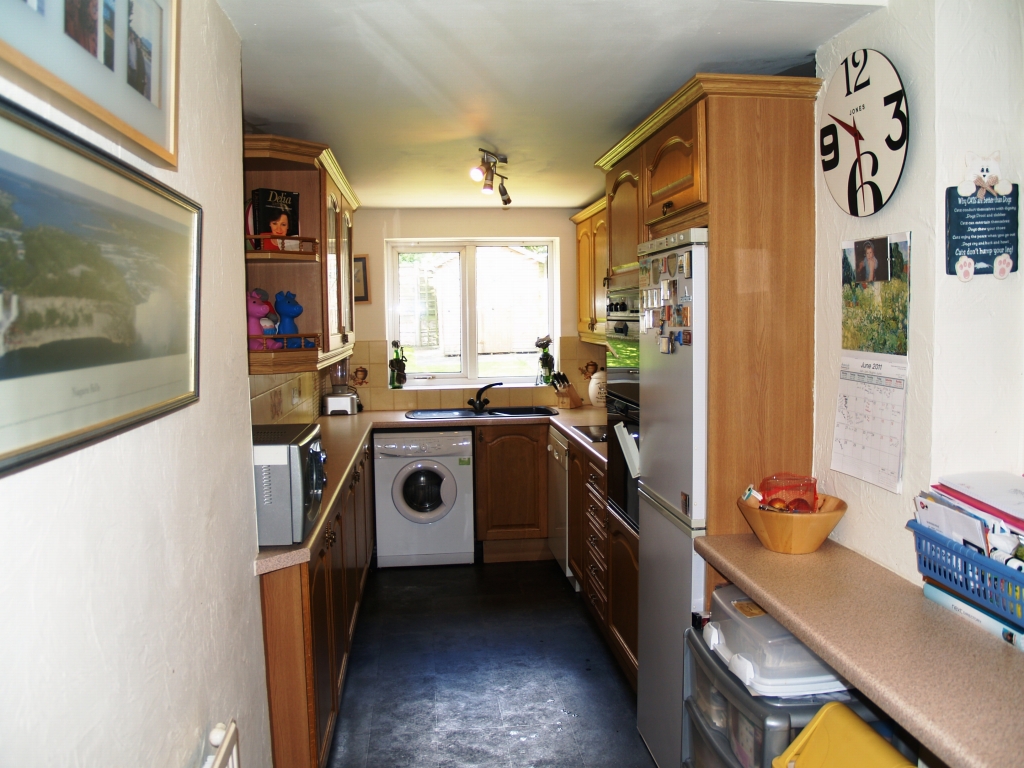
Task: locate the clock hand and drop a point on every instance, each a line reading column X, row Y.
column 850, row 129
column 860, row 167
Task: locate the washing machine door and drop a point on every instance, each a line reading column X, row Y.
column 424, row 491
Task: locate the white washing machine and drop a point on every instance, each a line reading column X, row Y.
column 424, row 487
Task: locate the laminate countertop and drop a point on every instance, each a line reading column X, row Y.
column 956, row 688
column 343, row 437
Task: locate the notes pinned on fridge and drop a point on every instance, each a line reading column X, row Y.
column 629, row 450
column 869, row 425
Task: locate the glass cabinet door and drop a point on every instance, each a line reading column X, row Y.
column 334, row 319
column 347, row 298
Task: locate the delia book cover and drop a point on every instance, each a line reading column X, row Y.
column 275, row 212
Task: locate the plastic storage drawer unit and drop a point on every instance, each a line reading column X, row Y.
column 729, row 727
column 761, row 652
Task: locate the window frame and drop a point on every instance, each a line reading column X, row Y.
column 466, row 247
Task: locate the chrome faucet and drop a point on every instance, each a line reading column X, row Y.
column 478, row 404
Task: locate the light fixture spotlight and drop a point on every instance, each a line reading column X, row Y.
column 485, row 172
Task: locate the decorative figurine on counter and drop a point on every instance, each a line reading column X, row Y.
column 589, row 369
column 547, row 360
column 397, row 377
column 258, row 310
column 288, row 308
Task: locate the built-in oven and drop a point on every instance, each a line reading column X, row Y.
column 623, row 404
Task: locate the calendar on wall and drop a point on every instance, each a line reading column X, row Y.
column 869, row 424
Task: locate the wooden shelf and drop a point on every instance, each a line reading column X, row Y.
column 282, row 257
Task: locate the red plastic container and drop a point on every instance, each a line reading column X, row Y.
column 796, row 492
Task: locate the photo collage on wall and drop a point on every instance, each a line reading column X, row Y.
column 95, row 32
column 876, row 294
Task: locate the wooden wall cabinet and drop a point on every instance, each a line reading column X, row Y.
column 320, row 274
column 591, row 271
column 511, row 482
column 309, row 618
column 735, row 154
column 624, row 195
column 675, row 166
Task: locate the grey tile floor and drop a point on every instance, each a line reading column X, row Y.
column 487, row 665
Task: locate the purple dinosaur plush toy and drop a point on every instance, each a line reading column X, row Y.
column 288, row 308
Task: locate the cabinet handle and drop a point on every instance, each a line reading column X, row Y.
column 592, row 539
column 356, row 477
column 592, row 509
column 593, row 570
column 666, row 207
column 593, row 599
column 604, row 523
column 592, row 479
column 330, row 539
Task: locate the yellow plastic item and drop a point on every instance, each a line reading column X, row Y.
column 837, row 738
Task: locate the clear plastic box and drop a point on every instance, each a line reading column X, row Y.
column 762, row 653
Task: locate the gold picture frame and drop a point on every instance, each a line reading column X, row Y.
column 115, row 60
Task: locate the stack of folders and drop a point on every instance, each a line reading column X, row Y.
column 983, row 511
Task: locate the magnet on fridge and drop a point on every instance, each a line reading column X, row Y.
column 687, row 339
column 672, row 262
column 665, row 345
column 686, row 269
column 685, row 316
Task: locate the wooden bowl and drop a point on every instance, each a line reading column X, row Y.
column 793, row 533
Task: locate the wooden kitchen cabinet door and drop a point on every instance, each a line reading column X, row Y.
column 339, row 607
column 623, row 593
column 625, row 225
column 511, row 482
column 599, row 239
column 353, row 573
column 322, row 641
column 577, row 517
column 674, row 166
column 359, row 491
column 584, row 277
column 368, row 506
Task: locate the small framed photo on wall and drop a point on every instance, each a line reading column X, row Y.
column 360, row 280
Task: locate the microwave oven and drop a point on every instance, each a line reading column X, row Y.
column 288, row 468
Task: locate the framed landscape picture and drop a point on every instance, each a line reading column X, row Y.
column 99, row 293
column 115, row 59
column 360, row 280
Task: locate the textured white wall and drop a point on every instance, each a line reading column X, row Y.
column 961, row 68
column 979, row 326
column 372, row 226
column 131, row 614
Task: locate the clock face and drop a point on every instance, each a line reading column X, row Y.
column 865, row 129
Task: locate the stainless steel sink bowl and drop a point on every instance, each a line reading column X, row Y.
column 467, row 413
column 443, row 413
column 522, row 410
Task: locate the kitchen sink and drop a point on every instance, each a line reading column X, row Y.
column 468, row 413
column 522, row 410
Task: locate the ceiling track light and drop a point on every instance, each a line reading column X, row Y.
column 486, row 172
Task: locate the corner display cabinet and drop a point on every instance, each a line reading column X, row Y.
column 317, row 265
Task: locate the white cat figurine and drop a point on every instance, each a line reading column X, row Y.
column 982, row 176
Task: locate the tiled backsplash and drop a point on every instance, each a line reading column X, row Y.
column 295, row 397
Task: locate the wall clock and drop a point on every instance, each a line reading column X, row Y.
column 865, row 130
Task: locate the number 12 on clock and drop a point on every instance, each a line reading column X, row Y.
column 865, row 132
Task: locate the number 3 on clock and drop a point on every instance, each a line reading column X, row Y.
column 864, row 134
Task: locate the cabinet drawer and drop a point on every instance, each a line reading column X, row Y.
column 597, row 538
column 596, row 508
column 595, row 597
column 595, row 478
column 597, row 568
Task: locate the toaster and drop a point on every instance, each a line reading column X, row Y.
column 347, row 403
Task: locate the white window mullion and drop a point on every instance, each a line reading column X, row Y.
column 469, row 325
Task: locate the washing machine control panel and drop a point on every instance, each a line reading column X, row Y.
column 434, row 444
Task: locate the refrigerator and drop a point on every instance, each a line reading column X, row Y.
column 672, row 480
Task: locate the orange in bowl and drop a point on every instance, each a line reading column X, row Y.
column 793, row 533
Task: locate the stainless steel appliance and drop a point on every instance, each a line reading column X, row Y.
column 558, row 499
column 337, row 404
column 623, row 408
column 673, row 477
column 288, row 469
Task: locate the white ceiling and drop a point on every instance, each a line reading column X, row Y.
column 405, row 91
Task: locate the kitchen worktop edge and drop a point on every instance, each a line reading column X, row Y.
column 947, row 682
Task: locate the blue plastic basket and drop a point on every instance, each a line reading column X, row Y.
column 980, row 579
